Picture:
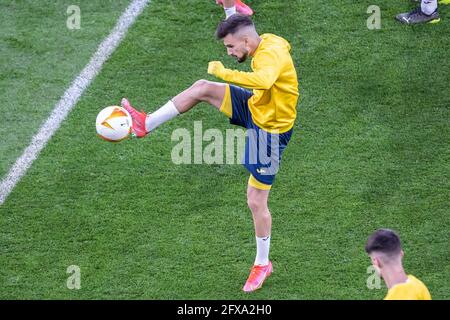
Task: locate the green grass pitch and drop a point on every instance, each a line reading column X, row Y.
column 370, row 149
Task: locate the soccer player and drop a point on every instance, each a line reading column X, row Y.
column 427, row 12
column 268, row 111
column 385, row 251
column 232, row 6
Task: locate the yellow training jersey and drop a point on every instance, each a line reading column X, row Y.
column 412, row 289
column 274, row 82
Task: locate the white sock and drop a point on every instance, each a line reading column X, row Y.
column 229, row 11
column 163, row 114
column 262, row 250
column 428, row 6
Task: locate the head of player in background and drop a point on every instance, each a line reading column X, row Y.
column 239, row 36
column 385, row 250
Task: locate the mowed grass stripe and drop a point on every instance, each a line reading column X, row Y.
column 40, row 58
column 369, row 150
column 70, row 98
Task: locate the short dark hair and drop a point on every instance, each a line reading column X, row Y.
column 232, row 25
column 385, row 241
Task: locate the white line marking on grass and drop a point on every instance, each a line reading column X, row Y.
column 70, row 98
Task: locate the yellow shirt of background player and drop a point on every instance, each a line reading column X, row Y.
column 412, row 289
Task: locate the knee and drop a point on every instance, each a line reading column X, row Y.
column 256, row 205
column 201, row 88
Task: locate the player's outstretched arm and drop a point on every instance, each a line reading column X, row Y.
column 261, row 79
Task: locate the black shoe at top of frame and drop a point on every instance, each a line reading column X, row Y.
column 416, row 16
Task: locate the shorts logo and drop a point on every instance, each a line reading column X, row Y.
column 259, row 151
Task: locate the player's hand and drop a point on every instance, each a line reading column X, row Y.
column 216, row 68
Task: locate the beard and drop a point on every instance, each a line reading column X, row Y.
column 243, row 58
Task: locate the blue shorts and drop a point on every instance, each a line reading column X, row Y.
column 263, row 150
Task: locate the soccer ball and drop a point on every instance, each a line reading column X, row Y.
column 113, row 124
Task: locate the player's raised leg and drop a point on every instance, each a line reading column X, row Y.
column 257, row 200
column 201, row 91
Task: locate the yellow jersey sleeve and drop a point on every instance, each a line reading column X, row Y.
column 413, row 289
column 266, row 70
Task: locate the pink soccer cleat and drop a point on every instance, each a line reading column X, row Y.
column 240, row 7
column 243, row 8
column 139, row 118
column 257, row 276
